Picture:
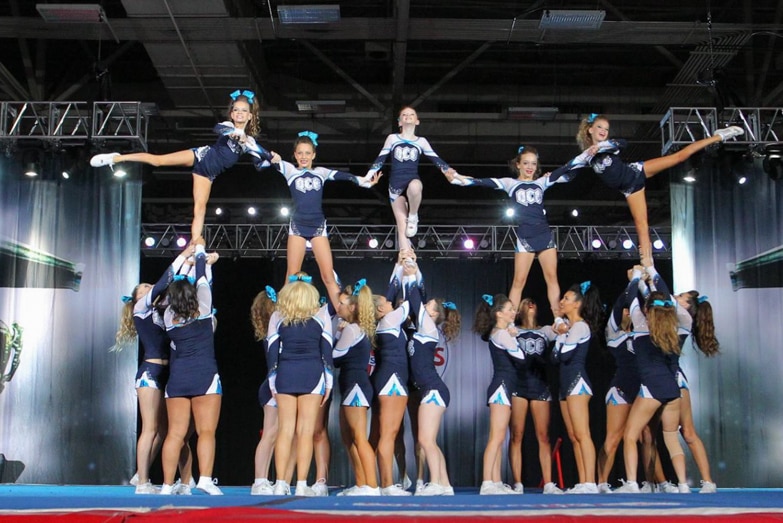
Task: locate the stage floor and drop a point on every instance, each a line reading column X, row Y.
column 119, row 503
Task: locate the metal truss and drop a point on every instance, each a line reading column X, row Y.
column 684, row 125
column 59, row 122
column 490, row 242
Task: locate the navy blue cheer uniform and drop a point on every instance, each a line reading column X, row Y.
column 405, row 156
column 571, row 354
column 211, row 160
column 421, row 351
column 153, row 341
column 504, row 350
column 532, row 375
column 307, row 190
column 625, row 383
column 300, row 355
column 532, row 230
column 657, row 370
column 351, row 355
column 627, row 178
column 194, row 370
column 390, row 377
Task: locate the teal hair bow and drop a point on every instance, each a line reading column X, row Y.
column 294, row 277
column 584, row 287
column 702, row 299
column 126, row 299
column 271, row 294
column 250, row 95
column 521, row 149
column 663, row 303
column 449, row 305
column 488, row 299
column 310, row 134
column 358, row 286
column 180, row 277
column 592, row 117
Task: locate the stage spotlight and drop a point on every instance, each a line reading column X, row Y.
column 483, row 244
column 596, row 243
column 284, row 211
column 373, row 243
column 509, row 212
column 627, row 244
column 741, row 179
column 575, row 213
column 31, row 170
column 66, row 175
column 773, row 161
column 251, row 211
column 119, row 172
column 689, row 177
column 422, row 243
column 218, row 211
column 149, row 241
column 658, row 244
column 165, row 242
column 612, row 244
column 388, row 243
column 181, row 242
column 468, row 244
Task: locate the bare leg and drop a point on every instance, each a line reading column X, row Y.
column 179, row 421
column 430, row 417
column 392, row 410
column 688, row 430
column 414, row 192
column 323, row 257
column 186, row 456
column 615, row 426
column 202, row 186
column 295, row 253
column 548, row 261
column 541, row 416
column 564, row 412
column 206, row 412
column 499, row 417
column 670, row 422
column 522, row 263
column 266, row 445
column 637, row 203
column 321, row 443
column 184, row 158
column 578, row 411
column 286, row 428
column 307, row 412
column 151, row 407
column 357, row 421
column 518, row 416
column 400, row 210
column 656, row 165
column 642, row 411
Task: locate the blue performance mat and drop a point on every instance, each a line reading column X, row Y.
column 746, row 504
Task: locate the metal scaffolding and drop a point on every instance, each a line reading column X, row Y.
column 490, row 242
column 59, row 122
column 684, row 125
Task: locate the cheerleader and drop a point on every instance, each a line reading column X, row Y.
column 494, row 323
column 390, row 378
column 624, row 385
column 300, row 375
column 657, row 349
column 264, row 305
column 629, row 178
column 140, row 321
column 208, row 162
column 308, row 223
column 534, row 395
column 352, row 356
column 194, row 383
column 405, row 187
column 434, row 395
column 582, row 307
column 533, row 235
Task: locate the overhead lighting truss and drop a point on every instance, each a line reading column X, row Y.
column 435, row 242
column 681, row 126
